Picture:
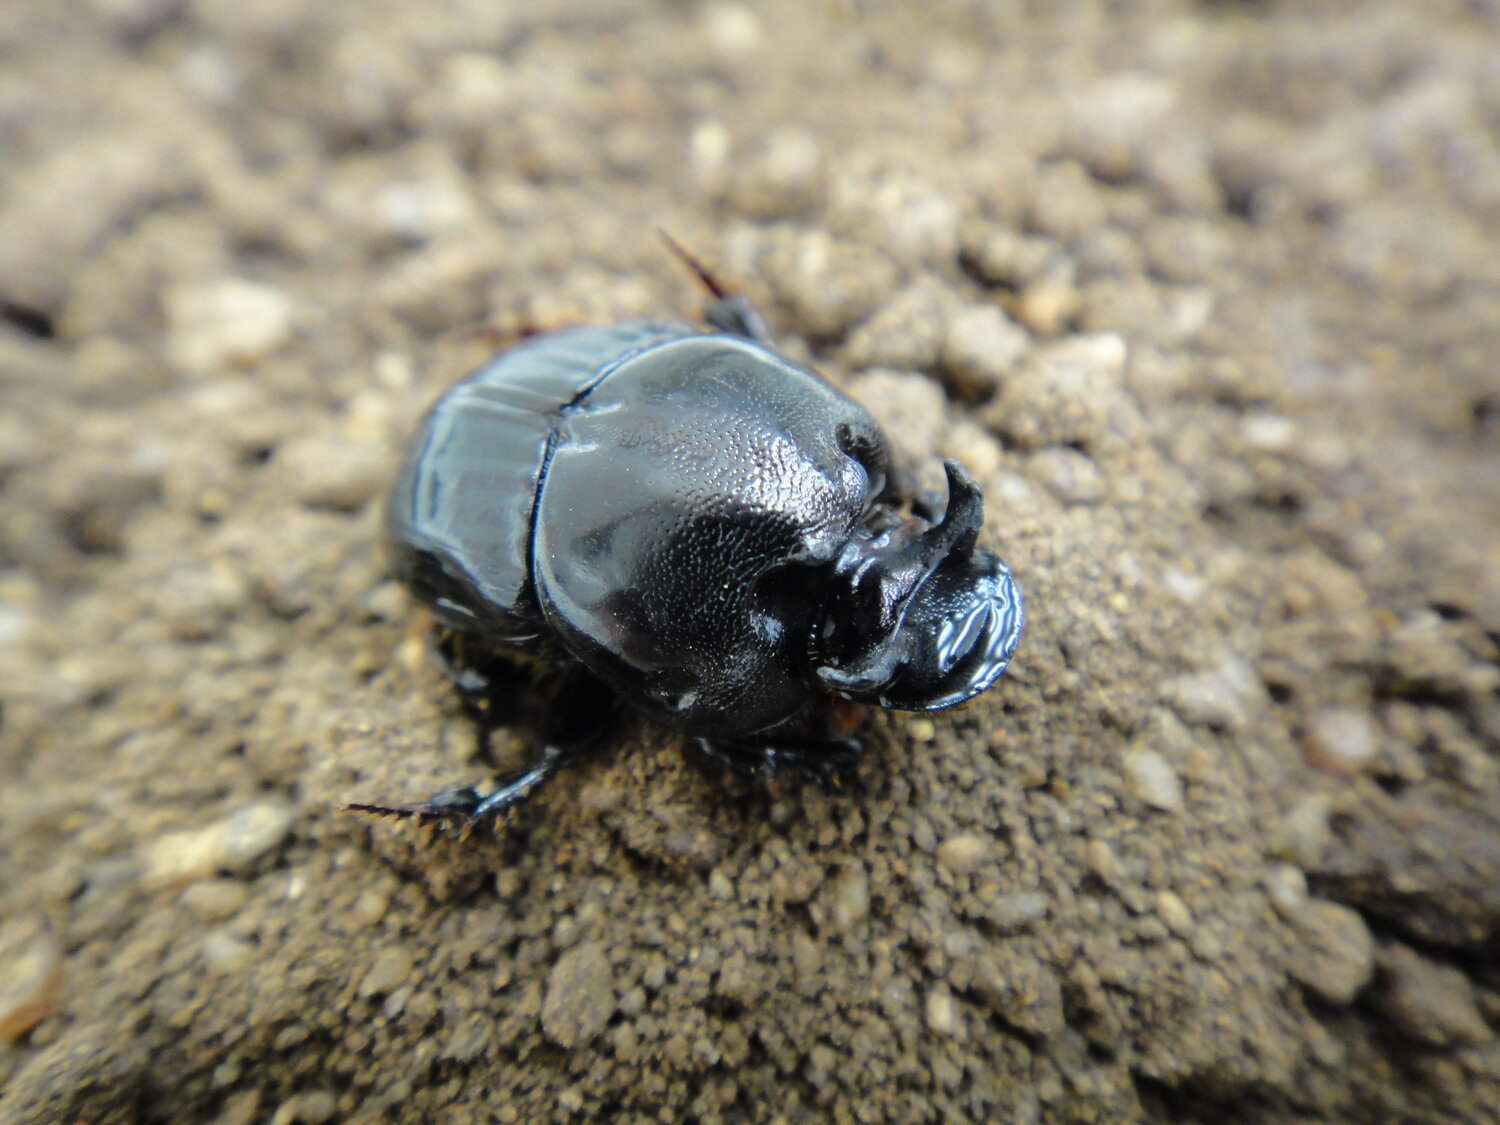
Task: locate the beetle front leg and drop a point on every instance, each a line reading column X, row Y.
column 464, row 805
column 826, row 761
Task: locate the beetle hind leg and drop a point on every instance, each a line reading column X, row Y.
column 829, row 762
column 729, row 311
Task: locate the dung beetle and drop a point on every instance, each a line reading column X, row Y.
column 707, row 528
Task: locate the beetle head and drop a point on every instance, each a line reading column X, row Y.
column 920, row 619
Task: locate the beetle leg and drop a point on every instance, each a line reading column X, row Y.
column 515, row 788
column 826, row 761
column 735, row 314
column 728, row 311
column 457, row 802
column 464, row 805
column 481, row 678
column 729, row 756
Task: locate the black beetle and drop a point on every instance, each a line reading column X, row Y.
column 707, row 528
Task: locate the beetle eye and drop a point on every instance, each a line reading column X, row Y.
column 862, row 445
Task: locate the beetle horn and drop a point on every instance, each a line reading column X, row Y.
column 862, row 646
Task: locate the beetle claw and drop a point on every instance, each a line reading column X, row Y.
column 455, row 803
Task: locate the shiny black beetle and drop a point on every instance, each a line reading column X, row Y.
column 705, row 527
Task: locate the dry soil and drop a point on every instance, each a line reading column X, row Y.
column 1206, row 295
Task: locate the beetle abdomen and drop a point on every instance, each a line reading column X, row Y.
column 459, row 520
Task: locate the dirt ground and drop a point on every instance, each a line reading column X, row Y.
column 1206, row 295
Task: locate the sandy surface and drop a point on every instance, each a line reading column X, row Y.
column 1206, row 295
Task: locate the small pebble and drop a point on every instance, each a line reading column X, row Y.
column 416, row 210
column 389, row 601
column 720, row 886
column 1304, row 832
column 1429, row 1002
column 807, row 956
column 1206, row 699
column 215, row 899
column 234, row 844
column 1067, row 474
column 900, row 212
column 396, row 1002
column 1174, row 913
column 1336, row 957
column 580, row 996
column 962, row 854
column 1341, row 740
column 1005, row 257
column 1113, row 119
column 31, row 976
column 1013, row 911
column 16, row 626
column 943, row 1016
column 1022, row 991
column 972, row 446
column 851, row 897
column 906, row 334
column 710, row 146
column 242, row 1108
column 227, row 323
column 1152, row 779
column 1066, row 202
column 739, row 980
column 1049, row 306
column 370, row 907
column 1270, row 433
column 823, row 285
column 391, row 969
column 1286, row 887
column 472, row 87
column 1183, row 584
column 982, row 347
column 732, row 28
column 921, row 730
column 225, row 952
column 194, row 599
column 783, row 178
column 311, row 1108
column 328, row 472
column 1104, row 863
column 1066, row 392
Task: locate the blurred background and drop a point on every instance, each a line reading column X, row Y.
column 1204, row 295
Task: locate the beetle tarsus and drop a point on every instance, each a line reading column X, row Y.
column 456, row 803
column 735, row 315
column 464, row 805
column 729, row 311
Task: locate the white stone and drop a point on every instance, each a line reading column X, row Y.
column 1152, row 779
column 226, row 323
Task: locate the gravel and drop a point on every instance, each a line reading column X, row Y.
column 1197, row 292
